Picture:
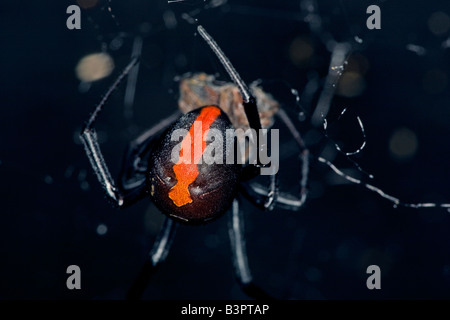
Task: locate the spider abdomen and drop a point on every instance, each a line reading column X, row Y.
column 189, row 177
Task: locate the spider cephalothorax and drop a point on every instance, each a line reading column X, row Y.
column 201, row 89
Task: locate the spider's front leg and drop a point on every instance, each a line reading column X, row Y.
column 252, row 114
column 131, row 185
column 92, row 147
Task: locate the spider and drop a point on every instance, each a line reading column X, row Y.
column 197, row 193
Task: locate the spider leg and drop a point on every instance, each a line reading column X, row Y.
column 132, row 180
column 304, row 158
column 131, row 186
column 251, row 111
column 92, row 147
column 257, row 194
column 157, row 255
column 135, row 161
column 267, row 199
column 249, row 102
column 241, row 267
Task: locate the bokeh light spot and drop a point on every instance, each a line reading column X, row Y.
column 351, row 84
column 403, row 144
column 94, row 67
column 102, row 229
column 439, row 23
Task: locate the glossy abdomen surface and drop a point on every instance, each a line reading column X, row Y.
column 189, row 178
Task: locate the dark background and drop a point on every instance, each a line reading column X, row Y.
column 51, row 203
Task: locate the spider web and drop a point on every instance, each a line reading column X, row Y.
column 318, row 88
column 318, row 59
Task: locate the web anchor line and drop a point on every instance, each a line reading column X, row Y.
column 397, row 202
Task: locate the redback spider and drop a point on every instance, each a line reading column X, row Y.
column 197, row 193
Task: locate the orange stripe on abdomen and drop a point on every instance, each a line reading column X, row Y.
column 186, row 173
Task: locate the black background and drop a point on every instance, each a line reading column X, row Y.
column 49, row 221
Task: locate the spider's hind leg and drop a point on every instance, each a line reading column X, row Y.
column 239, row 252
column 157, row 255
